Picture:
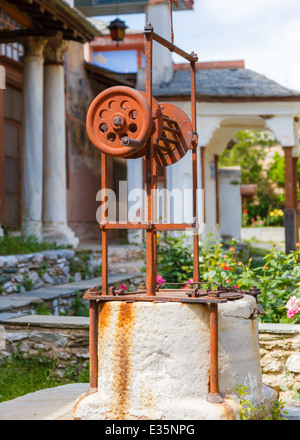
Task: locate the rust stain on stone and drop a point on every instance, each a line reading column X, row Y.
column 122, row 358
column 104, row 317
column 229, row 413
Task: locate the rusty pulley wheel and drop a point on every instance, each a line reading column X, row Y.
column 176, row 138
column 119, row 122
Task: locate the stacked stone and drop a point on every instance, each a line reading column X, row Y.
column 280, row 358
column 63, row 338
column 19, row 273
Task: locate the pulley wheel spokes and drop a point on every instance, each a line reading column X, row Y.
column 176, row 138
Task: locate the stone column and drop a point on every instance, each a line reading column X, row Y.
column 32, row 139
column 291, row 211
column 55, row 228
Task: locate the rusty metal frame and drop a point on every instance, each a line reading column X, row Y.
column 151, row 292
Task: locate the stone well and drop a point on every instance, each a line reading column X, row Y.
column 154, row 362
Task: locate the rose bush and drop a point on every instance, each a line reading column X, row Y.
column 278, row 277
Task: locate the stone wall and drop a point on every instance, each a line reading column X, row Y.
column 21, row 273
column 280, row 357
column 67, row 339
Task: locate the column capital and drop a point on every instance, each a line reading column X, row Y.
column 33, row 46
column 55, row 49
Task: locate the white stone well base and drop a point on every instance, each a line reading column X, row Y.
column 154, row 360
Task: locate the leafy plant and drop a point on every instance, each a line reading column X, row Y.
column 249, row 412
column 22, row 374
column 174, row 260
column 79, row 306
column 42, row 308
column 13, row 245
column 249, row 152
column 28, row 283
column 276, row 274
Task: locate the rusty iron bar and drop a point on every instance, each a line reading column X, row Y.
column 214, row 395
column 150, row 233
column 153, row 226
column 196, row 270
column 154, row 216
column 189, row 57
column 171, row 19
column 162, row 296
column 93, row 344
column 104, row 231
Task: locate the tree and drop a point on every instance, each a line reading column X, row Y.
column 248, row 152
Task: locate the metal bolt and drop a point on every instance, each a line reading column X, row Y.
column 117, row 121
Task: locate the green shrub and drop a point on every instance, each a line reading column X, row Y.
column 11, row 245
column 276, row 274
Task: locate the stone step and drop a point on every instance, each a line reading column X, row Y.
column 21, row 304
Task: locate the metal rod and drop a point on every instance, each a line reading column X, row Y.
column 150, row 234
column 93, row 344
column 104, row 231
column 155, row 219
column 128, row 142
column 154, row 226
column 171, row 19
column 149, row 30
column 214, row 379
column 196, row 272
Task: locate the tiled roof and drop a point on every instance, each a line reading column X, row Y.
column 225, row 83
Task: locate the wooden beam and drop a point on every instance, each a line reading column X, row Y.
column 13, row 36
column 16, row 14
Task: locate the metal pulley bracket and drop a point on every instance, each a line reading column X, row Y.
column 119, row 122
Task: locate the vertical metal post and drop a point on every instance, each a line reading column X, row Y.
column 196, row 274
column 150, row 234
column 155, row 220
column 104, row 231
column 93, row 344
column 214, row 395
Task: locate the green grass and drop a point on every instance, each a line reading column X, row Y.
column 10, row 245
column 20, row 376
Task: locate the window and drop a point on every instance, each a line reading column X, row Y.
column 11, row 50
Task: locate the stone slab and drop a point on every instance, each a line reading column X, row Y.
column 11, row 302
column 49, row 404
column 50, row 321
column 17, row 301
column 57, row 404
column 279, row 328
column 9, row 315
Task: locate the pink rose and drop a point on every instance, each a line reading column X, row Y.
column 293, row 304
column 123, row 287
column 291, row 313
column 159, row 279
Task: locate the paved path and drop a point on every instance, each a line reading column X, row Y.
column 50, row 404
